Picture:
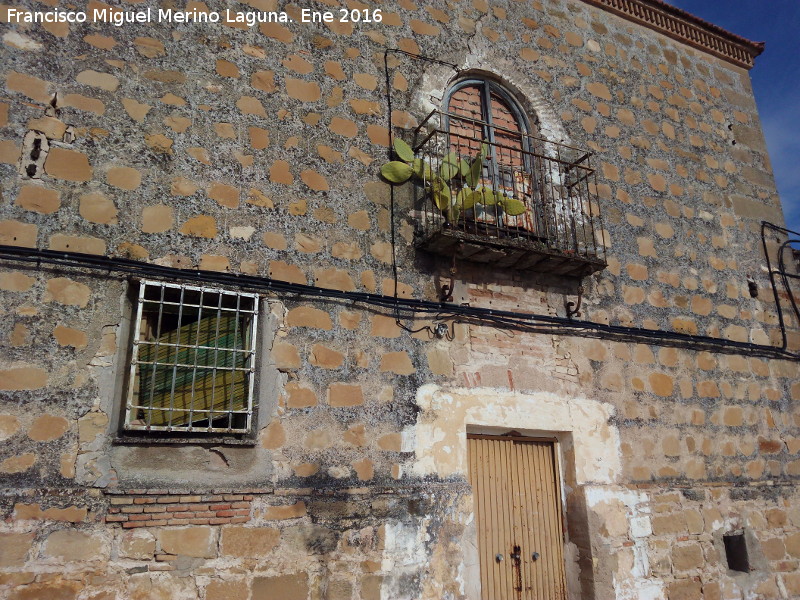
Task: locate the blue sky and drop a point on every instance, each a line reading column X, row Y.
column 776, row 79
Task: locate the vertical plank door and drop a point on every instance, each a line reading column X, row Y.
column 517, row 498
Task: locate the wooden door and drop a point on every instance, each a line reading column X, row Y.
column 515, row 485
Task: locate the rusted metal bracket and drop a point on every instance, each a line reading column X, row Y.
column 576, row 312
column 446, row 294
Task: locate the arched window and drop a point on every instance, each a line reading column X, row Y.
column 479, row 112
column 482, row 108
column 492, row 189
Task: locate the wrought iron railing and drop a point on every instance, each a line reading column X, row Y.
column 485, row 186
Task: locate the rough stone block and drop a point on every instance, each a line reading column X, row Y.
column 685, row 589
column 687, row 557
column 226, row 590
column 300, row 396
column 23, row 378
column 72, row 546
column 14, row 548
column 18, row 464
column 38, row 199
column 292, row 511
column 55, row 589
column 198, row 542
column 285, row 587
column 306, row 316
column 139, row 545
column 77, row 243
column 343, row 394
column 397, row 362
column 14, row 281
column 69, row 165
column 371, row 587
column 48, row 427
column 248, row 542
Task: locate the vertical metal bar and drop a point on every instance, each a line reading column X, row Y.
column 154, row 365
column 210, row 412
column 175, row 365
column 251, row 363
column 460, row 181
column 587, row 214
column 234, row 355
column 569, row 214
column 559, row 198
column 540, row 203
column 134, row 359
column 556, row 227
column 599, row 218
column 196, row 358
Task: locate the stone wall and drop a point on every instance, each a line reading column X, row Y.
column 257, row 151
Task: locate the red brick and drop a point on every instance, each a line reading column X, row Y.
column 121, row 501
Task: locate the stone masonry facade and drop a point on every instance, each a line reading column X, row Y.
column 257, row 151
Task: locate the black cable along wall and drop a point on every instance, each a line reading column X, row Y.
column 402, row 307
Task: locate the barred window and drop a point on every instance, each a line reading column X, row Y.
column 193, row 360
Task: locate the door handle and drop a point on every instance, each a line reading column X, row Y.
column 535, row 556
column 498, row 557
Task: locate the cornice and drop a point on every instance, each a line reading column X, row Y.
column 685, row 27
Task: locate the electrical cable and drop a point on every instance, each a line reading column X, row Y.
column 781, row 272
column 409, row 307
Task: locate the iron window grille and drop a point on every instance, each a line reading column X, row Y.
column 192, row 361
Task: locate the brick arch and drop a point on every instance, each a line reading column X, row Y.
column 497, row 115
column 466, row 100
column 482, row 61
